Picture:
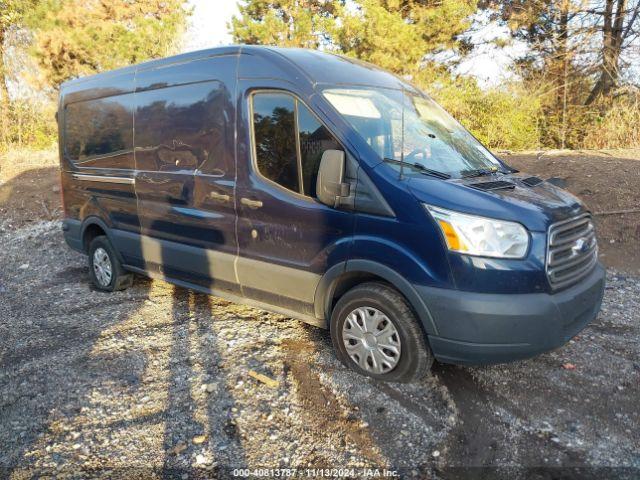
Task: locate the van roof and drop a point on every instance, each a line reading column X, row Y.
column 318, row 67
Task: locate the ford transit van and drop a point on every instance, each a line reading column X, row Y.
column 328, row 190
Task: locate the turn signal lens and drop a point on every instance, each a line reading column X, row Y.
column 451, row 237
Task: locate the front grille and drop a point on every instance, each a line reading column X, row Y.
column 572, row 251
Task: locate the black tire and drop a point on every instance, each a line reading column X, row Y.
column 415, row 355
column 119, row 278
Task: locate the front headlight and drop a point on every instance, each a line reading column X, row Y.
column 480, row 236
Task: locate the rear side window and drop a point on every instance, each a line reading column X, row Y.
column 289, row 141
column 183, row 128
column 99, row 128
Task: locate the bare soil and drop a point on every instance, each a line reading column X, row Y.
column 154, row 381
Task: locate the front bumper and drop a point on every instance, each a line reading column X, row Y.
column 477, row 328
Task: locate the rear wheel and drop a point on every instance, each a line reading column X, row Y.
column 375, row 333
column 104, row 267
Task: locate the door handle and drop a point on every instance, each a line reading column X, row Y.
column 251, row 203
column 222, row 197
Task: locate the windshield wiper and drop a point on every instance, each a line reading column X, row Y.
column 418, row 166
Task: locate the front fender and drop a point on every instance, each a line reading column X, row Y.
column 329, row 281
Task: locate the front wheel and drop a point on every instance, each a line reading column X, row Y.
column 375, row 333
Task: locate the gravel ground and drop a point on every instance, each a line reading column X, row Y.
column 155, row 382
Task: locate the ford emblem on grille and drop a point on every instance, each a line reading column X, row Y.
column 581, row 246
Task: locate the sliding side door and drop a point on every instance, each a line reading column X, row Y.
column 185, row 171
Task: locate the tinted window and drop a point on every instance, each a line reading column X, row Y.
column 98, row 128
column 274, row 136
column 315, row 139
column 183, row 128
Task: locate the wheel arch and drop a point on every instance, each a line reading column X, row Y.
column 91, row 228
column 346, row 275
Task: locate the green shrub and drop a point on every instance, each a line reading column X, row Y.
column 505, row 118
column 28, row 124
column 617, row 127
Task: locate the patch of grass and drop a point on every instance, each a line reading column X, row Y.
column 19, row 160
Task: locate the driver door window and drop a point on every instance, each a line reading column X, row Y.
column 289, row 141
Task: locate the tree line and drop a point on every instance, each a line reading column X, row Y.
column 72, row 38
column 574, row 86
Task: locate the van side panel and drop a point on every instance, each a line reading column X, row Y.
column 185, row 171
column 96, row 150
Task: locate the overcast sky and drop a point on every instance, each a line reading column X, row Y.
column 208, row 28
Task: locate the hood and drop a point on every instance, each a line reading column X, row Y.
column 517, row 197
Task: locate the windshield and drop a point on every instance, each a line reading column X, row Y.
column 430, row 138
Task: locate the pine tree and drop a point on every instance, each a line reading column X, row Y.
column 81, row 37
column 398, row 35
column 286, row 23
column 401, row 36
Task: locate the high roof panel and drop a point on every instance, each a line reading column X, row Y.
column 316, row 66
column 323, row 67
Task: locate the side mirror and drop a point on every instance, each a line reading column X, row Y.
column 329, row 185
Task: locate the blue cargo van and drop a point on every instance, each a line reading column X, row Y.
column 328, row 190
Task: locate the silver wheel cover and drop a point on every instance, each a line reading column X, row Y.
column 371, row 340
column 102, row 267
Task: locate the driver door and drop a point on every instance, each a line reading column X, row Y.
column 286, row 238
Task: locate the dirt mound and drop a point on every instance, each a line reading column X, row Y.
column 609, row 183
